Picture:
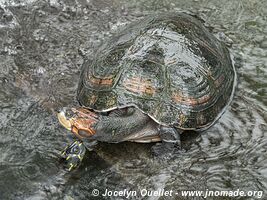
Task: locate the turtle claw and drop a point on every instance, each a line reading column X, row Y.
column 73, row 154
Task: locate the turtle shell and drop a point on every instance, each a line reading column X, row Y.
column 169, row 66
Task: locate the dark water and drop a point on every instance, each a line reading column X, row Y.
column 42, row 47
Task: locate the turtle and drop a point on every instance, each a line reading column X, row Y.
column 154, row 80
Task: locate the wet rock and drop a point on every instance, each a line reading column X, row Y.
column 263, row 44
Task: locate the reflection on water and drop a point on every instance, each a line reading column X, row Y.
column 42, row 49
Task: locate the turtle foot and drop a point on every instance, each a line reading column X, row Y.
column 170, row 143
column 73, row 155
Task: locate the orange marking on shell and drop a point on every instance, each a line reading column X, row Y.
column 99, row 81
column 189, row 100
column 184, row 100
column 138, row 85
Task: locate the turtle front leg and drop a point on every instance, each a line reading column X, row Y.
column 73, row 154
column 170, row 141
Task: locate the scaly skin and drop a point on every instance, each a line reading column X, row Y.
column 127, row 124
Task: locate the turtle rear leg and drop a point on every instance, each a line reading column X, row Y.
column 170, row 141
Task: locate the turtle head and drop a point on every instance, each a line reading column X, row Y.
column 80, row 121
column 116, row 126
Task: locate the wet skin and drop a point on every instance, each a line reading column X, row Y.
column 126, row 124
